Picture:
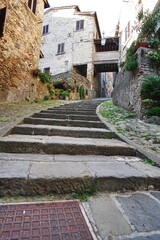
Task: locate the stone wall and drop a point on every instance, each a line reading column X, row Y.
column 19, row 51
column 127, row 86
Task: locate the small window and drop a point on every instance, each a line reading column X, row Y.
column 45, row 29
column 2, row 20
column 60, row 48
column 129, row 31
column 80, row 25
column 126, row 34
column 46, row 70
column 32, row 5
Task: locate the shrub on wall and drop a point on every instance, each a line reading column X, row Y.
column 150, row 93
column 81, row 92
column 131, row 58
column 131, row 63
column 44, row 78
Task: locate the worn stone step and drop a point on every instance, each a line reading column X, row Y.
column 29, row 129
column 60, row 111
column 65, row 145
column 63, row 122
column 74, row 107
column 66, row 116
column 32, row 174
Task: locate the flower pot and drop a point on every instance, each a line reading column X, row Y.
column 141, row 44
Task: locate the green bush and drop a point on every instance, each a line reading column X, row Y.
column 46, row 98
column 131, row 62
column 155, row 111
column 45, row 78
column 151, row 88
column 81, row 92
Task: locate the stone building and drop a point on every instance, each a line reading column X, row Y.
column 68, row 44
column 20, row 39
column 129, row 24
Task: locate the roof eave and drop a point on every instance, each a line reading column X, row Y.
column 46, row 4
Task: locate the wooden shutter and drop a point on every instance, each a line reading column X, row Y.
column 43, row 29
column 77, row 25
column 126, row 34
column 47, row 26
column 62, row 47
column 34, row 6
column 129, row 29
column 29, row 3
column 2, row 20
column 59, row 48
column 82, row 24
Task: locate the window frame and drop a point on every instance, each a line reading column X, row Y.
column 60, row 49
column 3, row 11
column 80, row 25
column 32, row 5
column 48, row 70
column 45, row 29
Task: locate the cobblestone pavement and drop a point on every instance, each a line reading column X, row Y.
column 147, row 135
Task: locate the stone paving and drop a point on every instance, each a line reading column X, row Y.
column 132, row 216
column 27, row 169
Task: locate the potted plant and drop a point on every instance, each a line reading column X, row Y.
column 142, row 42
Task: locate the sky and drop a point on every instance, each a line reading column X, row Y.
column 108, row 11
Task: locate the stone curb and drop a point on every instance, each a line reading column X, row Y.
column 140, row 151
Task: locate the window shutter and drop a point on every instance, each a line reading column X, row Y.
column 47, row 26
column 81, row 24
column 2, row 20
column 34, row 6
column 62, row 50
column 43, row 29
column 128, row 29
column 59, row 48
column 29, row 3
column 125, row 34
column 77, row 25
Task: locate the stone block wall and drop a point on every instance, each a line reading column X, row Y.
column 19, row 51
column 127, row 85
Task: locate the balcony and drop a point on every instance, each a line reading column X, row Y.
column 106, row 56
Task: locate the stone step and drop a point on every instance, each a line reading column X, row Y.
column 60, row 111
column 74, row 107
column 32, row 174
column 29, row 129
column 65, row 116
column 64, row 145
column 63, row 122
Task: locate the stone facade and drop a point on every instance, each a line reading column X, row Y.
column 78, row 46
column 127, row 86
column 20, row 51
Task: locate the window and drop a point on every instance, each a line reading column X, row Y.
column 127, row 31
column 2, row 20
column 46, row 70
column 45, row 29
column 60, row 48
column 80, row 25
column 32, row 5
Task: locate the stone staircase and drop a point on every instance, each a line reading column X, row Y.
column 68, row 149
